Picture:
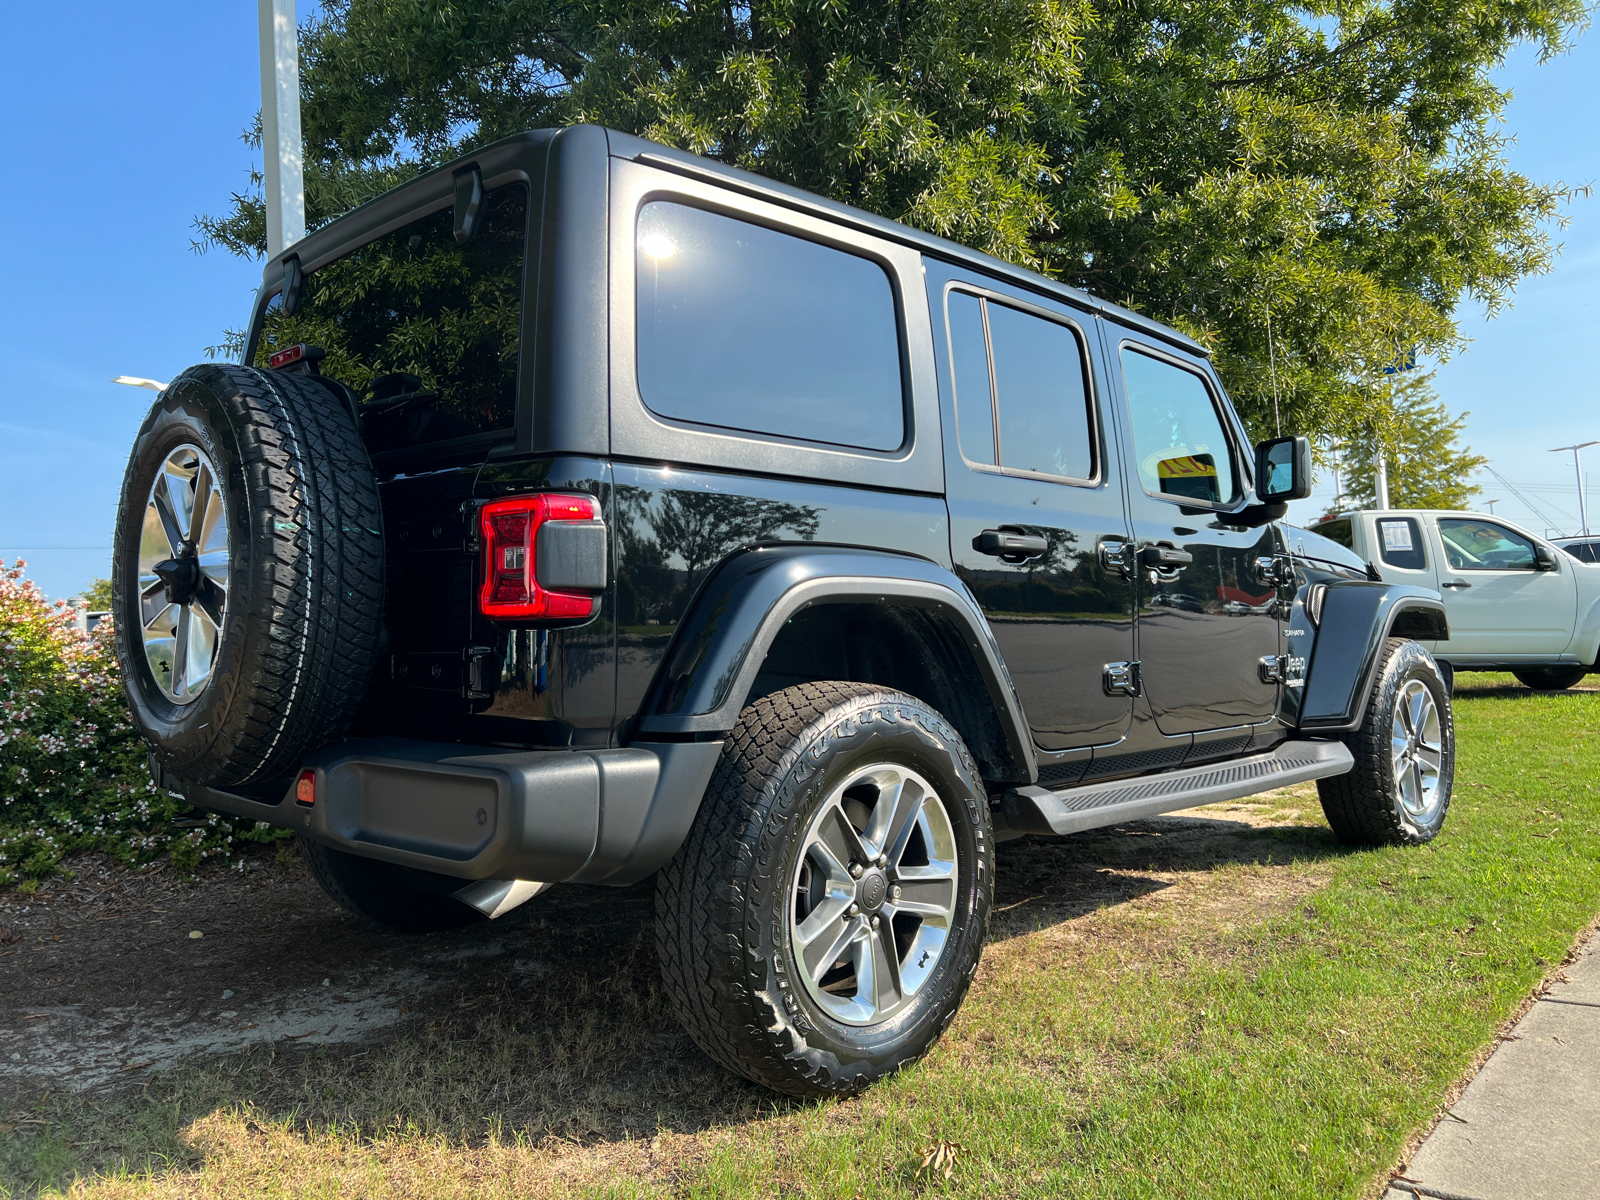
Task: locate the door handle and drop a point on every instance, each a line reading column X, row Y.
column 1455, row 583
column 1010, row 545
column 1162, row 556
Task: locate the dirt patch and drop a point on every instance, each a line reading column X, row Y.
column 535, row 1049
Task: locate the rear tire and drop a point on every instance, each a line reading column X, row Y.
column 1550, row 679
column 393, row 898
column 821, row 923
column 1399, row 790
column 248, row 574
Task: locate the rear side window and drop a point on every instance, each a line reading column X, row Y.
column 1474, row 545
column 1400, row 543
column 424, row 328
column 1178, row 437
column 1022, row 400
column 1582, row 551
column 745, row 328
column 1337, row 531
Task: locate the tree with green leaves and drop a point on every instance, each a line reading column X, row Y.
column 1333, row 173
column 1426, row 464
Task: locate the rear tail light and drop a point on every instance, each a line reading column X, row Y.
column 305, row 788
column 511, row 584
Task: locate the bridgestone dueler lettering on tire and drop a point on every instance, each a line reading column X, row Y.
column 835, row 815
column 259, row 607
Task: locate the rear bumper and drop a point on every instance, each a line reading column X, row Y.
column 473, row 812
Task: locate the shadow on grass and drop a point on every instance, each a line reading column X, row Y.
column 555, row 1026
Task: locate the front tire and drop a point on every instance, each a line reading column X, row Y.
column 1399, row 791
column 1550, row 679
column 821, row 923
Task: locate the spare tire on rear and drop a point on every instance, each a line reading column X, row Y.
column 248, row 573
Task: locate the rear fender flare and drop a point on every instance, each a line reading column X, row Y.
column 711, row 667
column 1354, row 619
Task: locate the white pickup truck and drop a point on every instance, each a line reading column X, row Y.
column 1514, row 601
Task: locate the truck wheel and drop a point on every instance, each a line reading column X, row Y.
column 821, row 923
column 1549, row 679
column 247, row 578
column 399, row 899
column 1405, row 753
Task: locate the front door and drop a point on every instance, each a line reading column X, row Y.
column 1035, row 499
column 1208, row 607
column 1500, row 605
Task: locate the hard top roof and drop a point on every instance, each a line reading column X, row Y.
column 319, row 243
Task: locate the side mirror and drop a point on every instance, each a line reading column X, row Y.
column 1283, row 470
column 469, row 200
column 1544, row 557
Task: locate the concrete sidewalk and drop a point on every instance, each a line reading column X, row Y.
column 1528, row 1126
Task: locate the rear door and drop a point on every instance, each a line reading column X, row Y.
column 1027, row 454
column 1501, row 607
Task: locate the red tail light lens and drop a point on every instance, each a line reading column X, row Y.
column 510, row 529
column 305, row 788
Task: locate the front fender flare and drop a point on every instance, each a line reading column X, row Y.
column 712, row 664
column 1354, row 617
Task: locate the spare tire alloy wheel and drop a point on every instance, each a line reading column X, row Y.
column 875, row 894
column 247, row 576
column 183, row 574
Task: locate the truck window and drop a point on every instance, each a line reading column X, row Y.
column 1022, row 402
column 425, row 329
column 746, row 328
column 1475, row 545
column 1337, row 531
column 1400, row 543
column 1178, row 437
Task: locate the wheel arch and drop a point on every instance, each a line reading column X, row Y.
column 1353, row 619
column 866, row 616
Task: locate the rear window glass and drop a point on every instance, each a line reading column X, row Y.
column 1400, row 543
column 1022, row 402
column 1337, row 531
column 424, row 328
column 746, row 328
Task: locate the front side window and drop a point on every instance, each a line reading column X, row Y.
column 746, row 328
column 1178, row 437
column 1022, row 400
column 1476, row 545
column 424, row 328
column 1400, row 543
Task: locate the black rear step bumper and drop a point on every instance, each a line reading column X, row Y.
column 473, row 812
column 1039, row 810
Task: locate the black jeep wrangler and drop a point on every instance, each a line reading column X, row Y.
column 589, row 510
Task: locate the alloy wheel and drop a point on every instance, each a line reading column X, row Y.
column 874, row 894
column 183, row 574
column 1417, row 744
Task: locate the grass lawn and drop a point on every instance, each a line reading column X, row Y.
column 1226, row 1004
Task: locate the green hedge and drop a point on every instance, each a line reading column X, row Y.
column 73, row 771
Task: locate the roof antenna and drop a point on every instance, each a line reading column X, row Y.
column 1272, row 360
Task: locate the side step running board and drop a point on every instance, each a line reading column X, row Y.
column 1039, row 810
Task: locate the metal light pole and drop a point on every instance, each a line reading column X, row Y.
column 280, row 125
column 1583, row 508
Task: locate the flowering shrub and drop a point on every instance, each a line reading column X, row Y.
column 73, row 772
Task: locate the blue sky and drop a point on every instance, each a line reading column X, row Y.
column 113, row 149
